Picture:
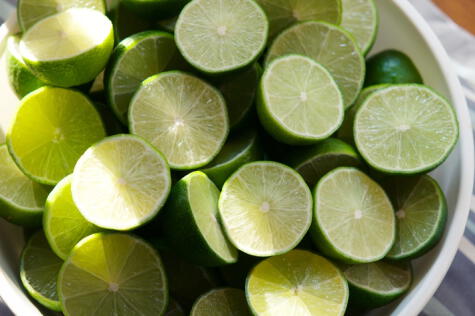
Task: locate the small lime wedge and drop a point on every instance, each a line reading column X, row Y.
column 219, row 302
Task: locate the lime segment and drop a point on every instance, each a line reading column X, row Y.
column 226, row 301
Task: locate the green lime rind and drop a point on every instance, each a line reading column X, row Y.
column 353, row 219
column 135, row 59
column 155, row 9
column 298, row 282
column 222, row 301
column 405, row 129
column 63, row 224
column 191, row 224
column 39, row 268
column 421, row 215
column 21, row 199
column 313, row 162
column 240, row 148
column 20, row 77
column 376, row 284
column 112, row 274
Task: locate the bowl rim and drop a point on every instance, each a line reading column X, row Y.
column 425, row 289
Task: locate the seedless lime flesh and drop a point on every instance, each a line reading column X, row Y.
column 296, row 283
column 225, row 301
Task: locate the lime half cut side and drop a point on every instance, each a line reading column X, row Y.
column 182, row 116
column 297, row 283
column 50, row 131
column 354, row 220
column 121, row 183
column 218, row 36
column 329, row 45
column 421, row 214
column 39, row 269
column 225, row 301
column 299, row 102
column 113, row 274
column 405, row 129
column 265, row 208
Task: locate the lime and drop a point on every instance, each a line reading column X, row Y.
column 29, row 12
column 241, row 148
column 155, row 9
column 265, row 208
column 135, row 59
column 63, row 224
column 297, row 283
column 377, row 284
column 182, row 116
column 21, row 79
column 50, row 131
column 219, row 302
column 120, row 183
column 391, row 66
column 21, row 199
column 113, row 274
column 39, row 268
column 315, row 161
column 353, row 218
column 69, row 48
column 360, row 18
column 191, row 224
column 218, row 36
column 299, row 102
column 405, row 129
column 174, row 309
column 421, row 214
column 329, row 45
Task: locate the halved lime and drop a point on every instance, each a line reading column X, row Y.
column 315, row 161
column 50, row 131
column 354, row 220
column 39, row 269
column 135, row 59
column 191, row 224
column 20, row 77
column 265, row 208
column 421, row 214
column 299, row 102
column 63, row 224
column 284, row 13
column 182, row 116
column 174, row 309
column 121, row 183
column 405, row 129
column 69, row 48
column 360, row 18
column 297, row 283
column 29, row 12
column 329, row 45
column 22, row 200
column 225, row 301
column 218, row 36
column 240, row 148
column 155, row 9
column 113, row 274
column 377, row 284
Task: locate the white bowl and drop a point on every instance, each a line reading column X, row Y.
column 401, row 28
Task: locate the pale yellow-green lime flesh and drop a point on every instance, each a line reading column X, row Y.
column 225, row 301
column 360, row 18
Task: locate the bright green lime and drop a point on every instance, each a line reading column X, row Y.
column 297, row 283
column 69, row 48
column 113, row 274
column 329, row 45
column 218, row 36
column 155, row 9
column 421, row 214
column 63, row 224
column 354, row 220
column 405, row 129
column 219, row 302
column 50, row 131
column 181, row 115
column 299, row 102
column 39, row 268
column 121, row 183
column 191, row 225
column 265, row 208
